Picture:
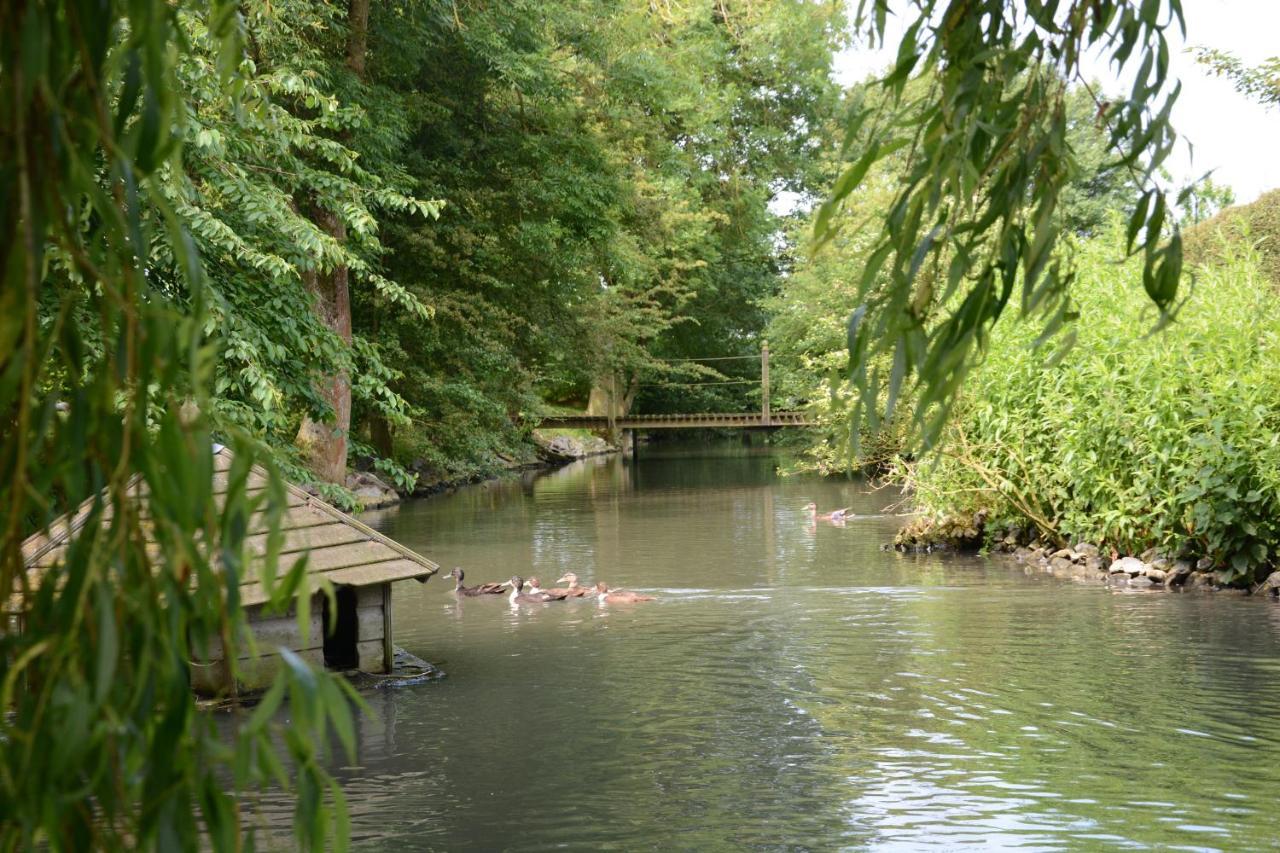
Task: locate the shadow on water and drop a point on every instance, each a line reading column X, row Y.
column 797, row 687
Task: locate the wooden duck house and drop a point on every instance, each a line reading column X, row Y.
column 360, row 564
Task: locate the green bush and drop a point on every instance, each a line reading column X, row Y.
column 1134, row 439
column 1257, row 223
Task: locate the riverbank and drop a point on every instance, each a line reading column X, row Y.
column 547, row 450
column 1084, row 561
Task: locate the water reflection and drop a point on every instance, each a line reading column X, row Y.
column 796, row 687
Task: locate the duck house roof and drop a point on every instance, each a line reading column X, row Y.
column 339, row 548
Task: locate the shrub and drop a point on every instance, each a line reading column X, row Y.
column 1134, row 439
column 1257, row 223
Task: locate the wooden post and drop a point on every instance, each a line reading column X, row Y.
column 388, row 646
column 764, row 384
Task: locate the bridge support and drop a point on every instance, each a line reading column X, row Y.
column 764, row 385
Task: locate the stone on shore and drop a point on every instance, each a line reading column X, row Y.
column 1200, row 580
column 562, row 449
column 1270, row 586
column 372, row 492
column 1060, row 565
column 1177, row 575
column 1131, row 566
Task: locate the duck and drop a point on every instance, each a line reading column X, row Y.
column 572, row 590
column 621, row 596
column 481, row 589
column 535, row 588
column 519, row 596
column 834, row 515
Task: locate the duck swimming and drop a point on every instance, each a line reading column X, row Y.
column 572, row 590
column 834, row 515
column 482, row 589
column 519, row 596
column 622, row 596
column 535, row 588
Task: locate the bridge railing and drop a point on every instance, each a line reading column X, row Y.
column 766, row 417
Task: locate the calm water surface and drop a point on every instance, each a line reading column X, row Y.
column 796, row 687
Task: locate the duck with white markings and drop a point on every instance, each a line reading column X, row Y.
column 519, row 596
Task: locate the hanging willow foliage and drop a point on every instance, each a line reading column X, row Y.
column 975, row 218
column 103, row 746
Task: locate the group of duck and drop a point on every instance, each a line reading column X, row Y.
column 520, row 591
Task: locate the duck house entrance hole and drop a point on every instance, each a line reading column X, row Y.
column 340, row 650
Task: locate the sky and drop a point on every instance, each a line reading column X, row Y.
column 1235, row 137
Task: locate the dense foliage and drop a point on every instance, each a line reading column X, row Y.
column 974, row 223
column 608, row 169
column 809, row 323
column 1256, row 223
column 268, row 164
column 105, row 379
column 1132, row 440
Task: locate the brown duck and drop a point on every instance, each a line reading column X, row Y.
column 535, row 588
column 572, row 590
column 621, row 596
column 482, row 589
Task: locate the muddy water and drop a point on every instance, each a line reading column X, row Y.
column 797, row 687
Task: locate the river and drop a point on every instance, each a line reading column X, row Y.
column 797, row 687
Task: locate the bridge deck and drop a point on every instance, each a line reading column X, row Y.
column 698, row 421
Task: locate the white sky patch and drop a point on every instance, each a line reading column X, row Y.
column 1235, row 137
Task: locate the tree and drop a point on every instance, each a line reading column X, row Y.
column 1204, row 200
column 324, row 443
column 272, row 173
column 977, row 215
column 1261, row 82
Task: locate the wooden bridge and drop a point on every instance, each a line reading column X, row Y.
column 763, row 419
column 698, row 421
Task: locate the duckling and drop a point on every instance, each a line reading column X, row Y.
column 622, row 596
column 519, row 596
column 535, row 588
column 482, row 589
column 572, row 590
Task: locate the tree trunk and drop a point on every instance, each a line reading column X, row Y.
column 357, row 36
column 612, row 397
column 380, row 435
column 325, row 445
